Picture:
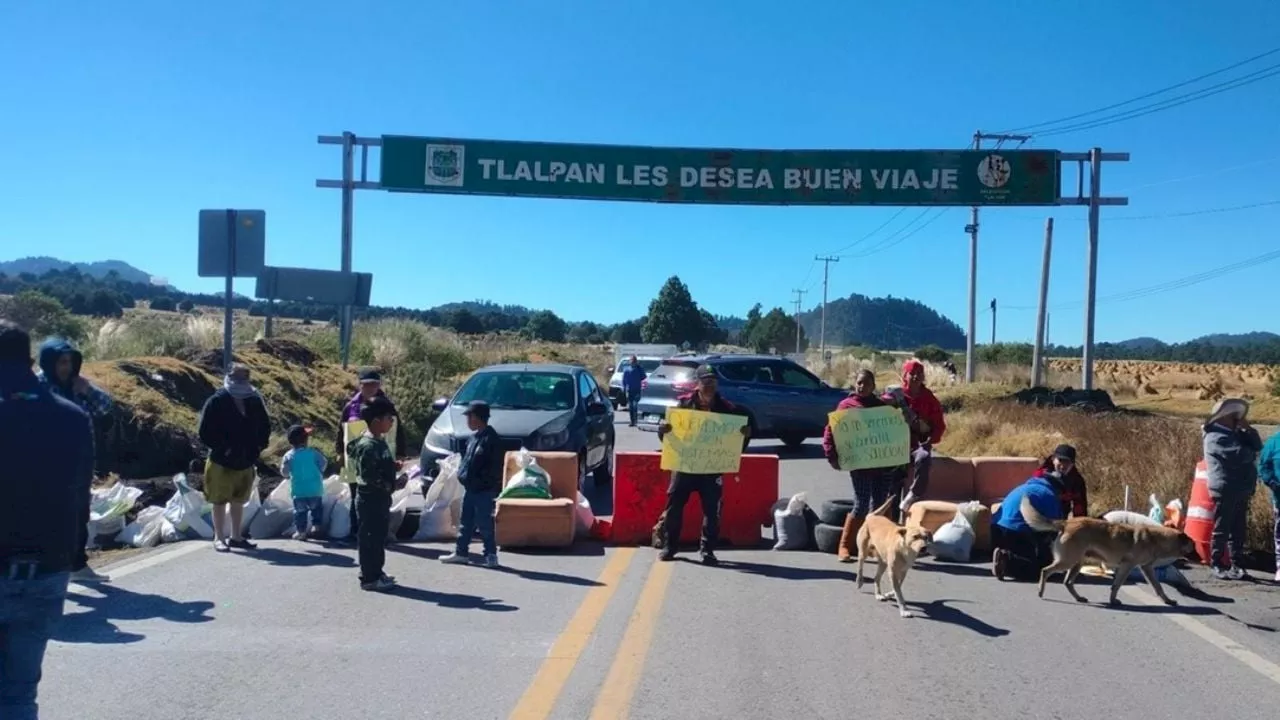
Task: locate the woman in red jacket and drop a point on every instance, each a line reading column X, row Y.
column 927, row 427
column 871, row 487
column 1074, row 496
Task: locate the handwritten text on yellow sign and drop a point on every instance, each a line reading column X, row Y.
column 702, row 442
column 870, row 437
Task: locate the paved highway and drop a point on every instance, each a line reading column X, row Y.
column 184, row 633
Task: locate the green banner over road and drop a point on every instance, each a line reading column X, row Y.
column 729, row 177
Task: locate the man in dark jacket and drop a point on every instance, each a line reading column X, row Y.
column 633, row 377
column 370, row 389
column 709, row 487
column 480, row 474
column 236, row 428
column 47, row 445
column 1231, row 448
column 60, row 364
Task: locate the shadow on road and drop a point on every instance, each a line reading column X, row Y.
column 114, row 603
column 782, row 572
column 939, row 611
column 453, row 600
column 552, row 577
column 952, row 568
column 303, row 558
column 432, row 553
column 578, row 549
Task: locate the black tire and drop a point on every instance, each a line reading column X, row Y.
column 603, row 474
column 793, row 441
column 834, row 512
column 828, row 537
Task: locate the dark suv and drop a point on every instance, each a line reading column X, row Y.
column 782, row 398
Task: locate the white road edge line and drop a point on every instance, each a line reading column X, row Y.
column 151, row 559
column 1259, row 664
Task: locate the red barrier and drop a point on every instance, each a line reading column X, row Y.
column 640, row 494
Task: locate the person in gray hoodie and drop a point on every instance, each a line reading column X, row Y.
column 1231, row 448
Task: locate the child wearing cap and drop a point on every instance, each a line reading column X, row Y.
column 377, row 471
column 480, row 474
column 304, row 467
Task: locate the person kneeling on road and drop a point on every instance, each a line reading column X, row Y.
column 871, row 487
column 1019, row 550
column 378, row 471
column 480, row 474
column 709, row 487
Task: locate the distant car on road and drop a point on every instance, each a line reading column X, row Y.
column 536, row 406
column 783, row 400
column 616, row 394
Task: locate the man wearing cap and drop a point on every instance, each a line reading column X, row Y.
column 47, row 445
column 480, row 474
column 1231, row 447
column 710, row 486
column 370, row 388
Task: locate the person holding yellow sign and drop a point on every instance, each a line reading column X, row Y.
column 370, row 389
column 848, row 446
column 699, row 439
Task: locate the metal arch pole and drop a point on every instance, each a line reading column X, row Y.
column 1042, row 315
column 970, row 363
column 348, row 202
column 1091, row 281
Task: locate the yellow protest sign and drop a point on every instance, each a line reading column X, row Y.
column 354, row 429
column 870, row 437
column 702, row 442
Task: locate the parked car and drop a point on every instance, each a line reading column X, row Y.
column 536, row 406
column 783, row 400
column 619, row 398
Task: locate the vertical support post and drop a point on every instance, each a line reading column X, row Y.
column 826, row 277
column 1042, row 314
column 799, row 298
column 1091, row 281
column 266, row 325
column 993, row 321
column 230, row 291
column 348, row 201
column 970, row 361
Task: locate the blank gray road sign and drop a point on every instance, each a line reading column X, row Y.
column 250, row 243
column 322, row 287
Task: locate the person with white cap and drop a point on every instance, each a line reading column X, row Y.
column 1231, row 447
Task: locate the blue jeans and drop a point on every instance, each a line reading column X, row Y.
column 477, row 514
column 29, row 611
column 632, row 410
column 301, row 507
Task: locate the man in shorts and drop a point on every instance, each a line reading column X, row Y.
column 234, row 425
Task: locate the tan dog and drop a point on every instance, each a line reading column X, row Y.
column 1119, row 545
column 895, row 548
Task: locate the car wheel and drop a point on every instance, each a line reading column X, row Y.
column 793, row 441
column 603, row 475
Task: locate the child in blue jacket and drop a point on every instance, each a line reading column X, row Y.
column 1269, row 473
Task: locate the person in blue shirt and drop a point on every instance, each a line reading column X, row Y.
column 632, row 383
column 1019, row 550
column 1269, row 474
column 304, row 467
column 47, row 445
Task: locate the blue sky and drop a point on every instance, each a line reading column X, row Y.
column 124, row 119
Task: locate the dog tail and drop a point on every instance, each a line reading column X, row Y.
column 884, row 509
column 1036, row 520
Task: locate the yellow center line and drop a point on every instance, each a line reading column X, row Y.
column 614, row 701
column 540, row 697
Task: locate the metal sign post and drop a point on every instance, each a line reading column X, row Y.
column 232, row 244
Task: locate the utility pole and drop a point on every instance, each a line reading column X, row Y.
column 822, row 334
column 972, row 229
column 1042, row 315
column 799, row 296
column 993, row 321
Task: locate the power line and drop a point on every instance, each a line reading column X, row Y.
column 887, row 244
column 871, row 234
column 1257, row 76
column 1161, row 91
column 1170, row 285
column 1164, row 216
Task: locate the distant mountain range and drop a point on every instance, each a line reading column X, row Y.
column 899, row 323
column 41, row 265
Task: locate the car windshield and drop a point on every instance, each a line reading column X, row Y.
column 516, row 390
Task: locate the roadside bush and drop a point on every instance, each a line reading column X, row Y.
column 1006, row 354
column 41, row 316
column 932, row 354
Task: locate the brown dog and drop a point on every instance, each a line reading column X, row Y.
column 1119, row 545
column 895, row 548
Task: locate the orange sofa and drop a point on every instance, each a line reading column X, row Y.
column 955, row 480
column 540, row 523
